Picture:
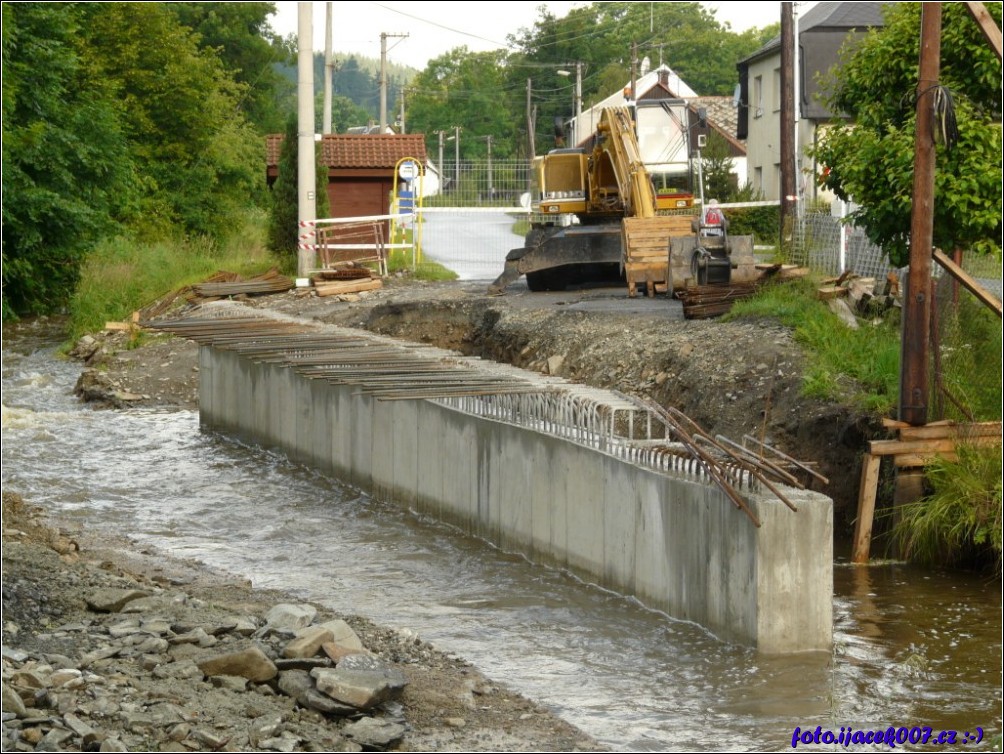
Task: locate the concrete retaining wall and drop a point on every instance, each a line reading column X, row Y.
column 677, row 544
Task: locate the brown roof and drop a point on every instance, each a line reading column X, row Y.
column 359, row 151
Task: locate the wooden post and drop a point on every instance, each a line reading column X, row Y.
column 867, row 493
column 913, row 386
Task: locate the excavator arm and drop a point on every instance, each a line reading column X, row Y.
column 617, row 176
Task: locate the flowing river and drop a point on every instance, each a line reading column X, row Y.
column 912, row 648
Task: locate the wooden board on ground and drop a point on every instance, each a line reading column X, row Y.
column 337, row 288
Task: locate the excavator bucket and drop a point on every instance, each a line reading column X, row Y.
column 645, row 244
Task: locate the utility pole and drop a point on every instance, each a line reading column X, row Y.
column 634, row 70
column 456, row 155
column 913, row 379
column 789, row 196
column 306, row 183
column 578, row 95
column 530, row 136
column 442, row 179
column 383, row 77
column 403, row 91
column 491, row 184
column 328, row 68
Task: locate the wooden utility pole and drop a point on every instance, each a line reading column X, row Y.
column 913, row 380
column 789, row 190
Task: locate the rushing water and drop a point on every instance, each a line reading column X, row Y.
column 911, row 647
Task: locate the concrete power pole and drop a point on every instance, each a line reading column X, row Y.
column 383, row 77
column 787, row 137
column 305, row 159
column 328, row 67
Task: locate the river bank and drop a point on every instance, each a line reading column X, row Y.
column 111, row 647
column 908, row 646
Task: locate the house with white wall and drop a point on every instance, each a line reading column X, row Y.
column 821, row 33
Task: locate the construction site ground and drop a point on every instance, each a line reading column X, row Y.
column 734, row 378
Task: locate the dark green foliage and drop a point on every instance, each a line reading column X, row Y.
column 763, row 223
column 870, row 159
column 716, row 168
column 115, row 121
column 466, row 89
column 249, row 50
column 66, row 174
column 284, row 217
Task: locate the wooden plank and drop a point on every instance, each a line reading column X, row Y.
column 969, row 283
column 867, row 493
column 899, row 447
column 349, row 286
column 987, row 25
column 955, row 431
column 926, row 447
column 828, row 292
column 917, row 460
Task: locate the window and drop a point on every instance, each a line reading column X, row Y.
column 758, row 179
column 775, row 96
column 758, row 96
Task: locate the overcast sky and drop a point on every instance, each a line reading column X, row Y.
column 436, row 27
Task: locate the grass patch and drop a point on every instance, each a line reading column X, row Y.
column 860, row 365
column 959, row 522
column 401, row 261
column 122, row 275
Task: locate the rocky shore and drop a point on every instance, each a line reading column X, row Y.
column 110, row 648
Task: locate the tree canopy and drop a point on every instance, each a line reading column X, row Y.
column 869, row 158
column 461, row 89
column 115, row 119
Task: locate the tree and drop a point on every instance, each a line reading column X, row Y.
column 240, row 34
column 283, row 225
column 198, row 158
column 870, row 158
column 466, row 89
column 67, row 175
column 716, row 168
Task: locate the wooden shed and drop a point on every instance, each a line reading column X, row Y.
column 360, row 168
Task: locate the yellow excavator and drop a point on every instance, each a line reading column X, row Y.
column 595, row 217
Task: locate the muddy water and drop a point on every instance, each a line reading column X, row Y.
column 912, row 648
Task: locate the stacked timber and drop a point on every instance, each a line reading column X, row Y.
column 706, row 301
column 344, row 281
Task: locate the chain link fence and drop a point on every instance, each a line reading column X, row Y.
column 966, row 364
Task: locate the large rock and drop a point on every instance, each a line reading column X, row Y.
column 364, row 683
column 343, row 635
column 112, row 600
column 290, row 616
column 307, row 642
column 371, row 733
column 299, row 685
column 250, row 663
column 12, row 702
